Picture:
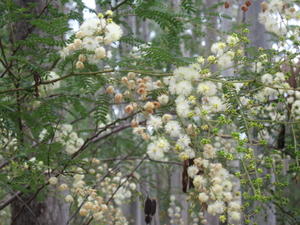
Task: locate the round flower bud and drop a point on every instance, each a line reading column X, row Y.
column 203, row 197
column 166, row 118
column 141, row 91
column 156, row 104
column 264, row 6
column 131, row 84
column 131, row 75
column 236, row 216
column 109, row 13
column 110, row 90
column 132, row 186
column 145, row 136
column 134, row 123
column 88, row 205
column 149, row 106
column 163, row 99
column 71, row 47
column 92, row 171
column 95, row 161
column 129, row 109
column 100, row 53
column 79, row 65
column 69, row 198
column 77, row 43
column 53, row 180
column 83, row 212
column 63, row 187
column 118, row 98
column 124, row 80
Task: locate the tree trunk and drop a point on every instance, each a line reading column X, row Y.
column 51, row 211
column 259, row 38
column 26, row 209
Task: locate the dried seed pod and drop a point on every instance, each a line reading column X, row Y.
column 185, row 176
column 153, row 207
column 148, row 219
column 248, row 3
column 244, row 8
column 191, row 184
column 148, row 206
column 226, row 5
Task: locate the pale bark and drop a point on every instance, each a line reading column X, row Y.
column 257, row 33
column 259, row 38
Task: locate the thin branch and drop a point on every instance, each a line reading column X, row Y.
column 119, row 5
column 82, row 74
column 86, row 197
column 9, row 199
column 88, row 141
column 139, row 158
column 120, row 185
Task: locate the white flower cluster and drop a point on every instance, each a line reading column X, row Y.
column 276, row 86
column 93, row 35
column 195, row 97
column 222, row 51
column 174, row 212
column 215, row 187
column 187, row 85
column 92, row 200
column 124, row 192
column 276, row 14
column 157, row 148
column 66, row 136
column 194, row 94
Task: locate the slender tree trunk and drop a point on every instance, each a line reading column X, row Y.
column 26, row 209
column 259, row 38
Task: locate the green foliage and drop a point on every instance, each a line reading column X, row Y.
column 33, row 104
